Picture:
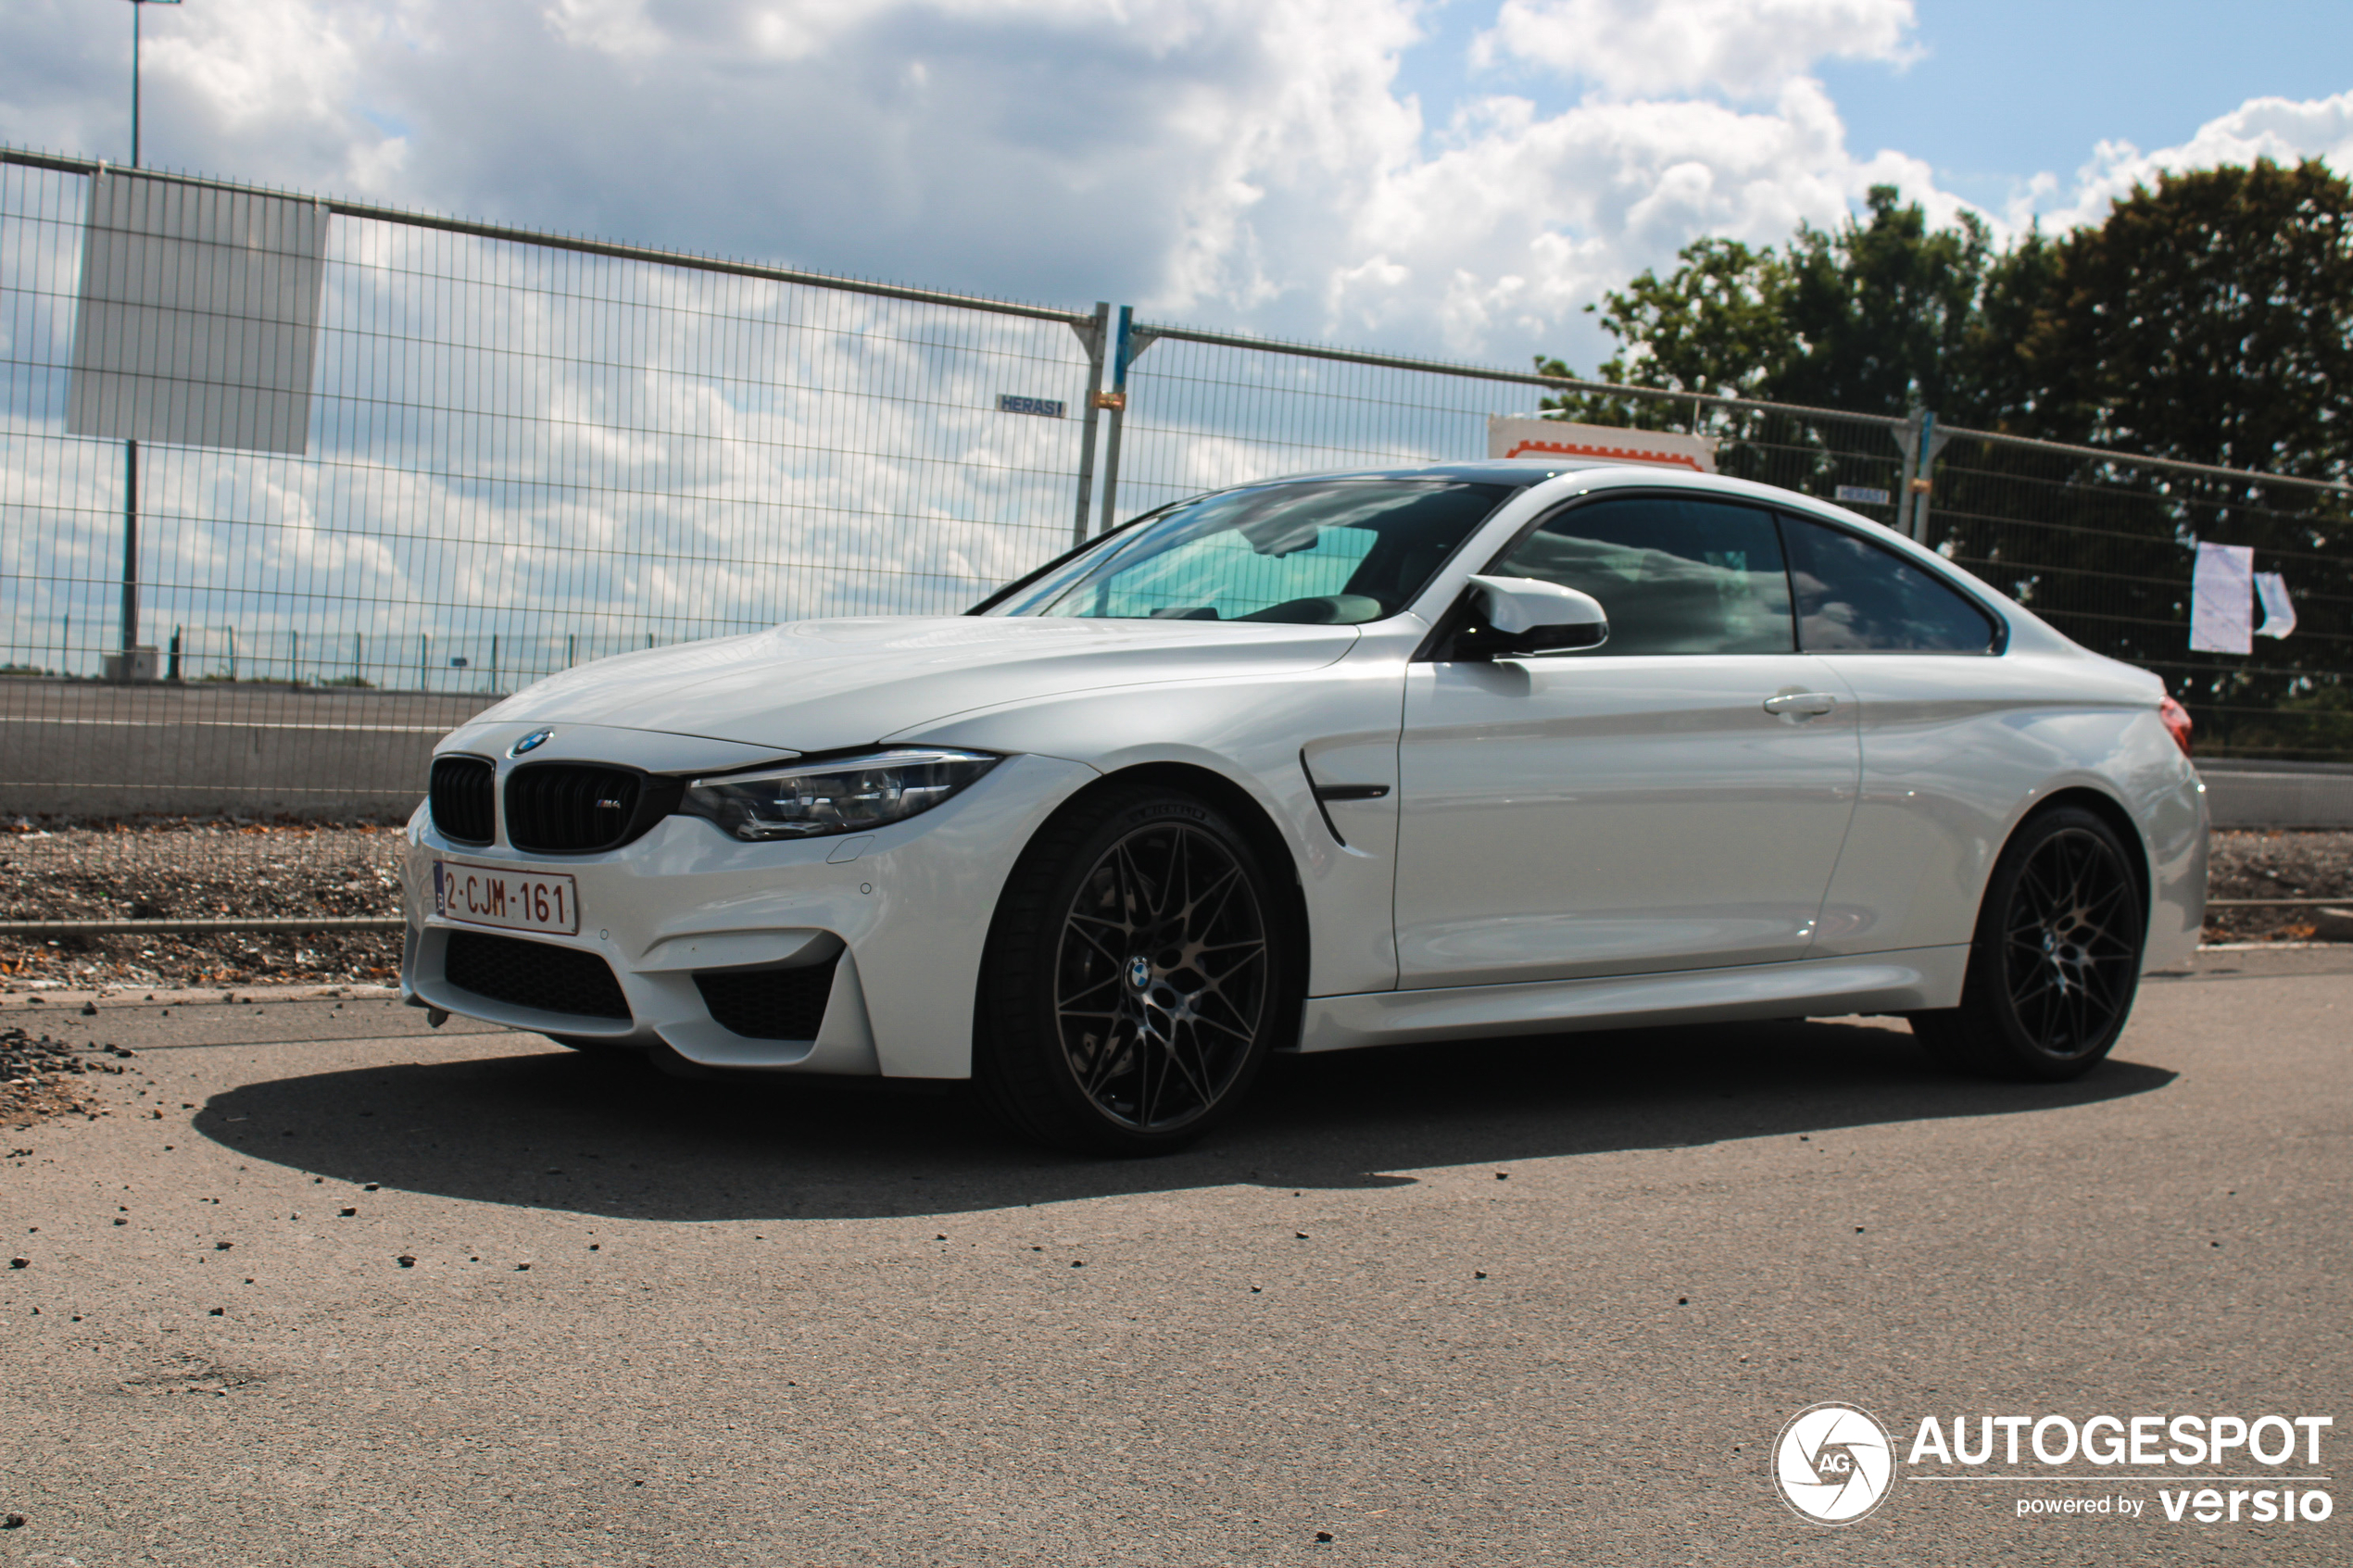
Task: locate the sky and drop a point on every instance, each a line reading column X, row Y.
column 1458, row 178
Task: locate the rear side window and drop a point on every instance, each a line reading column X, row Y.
column 1676, row 576
column 1855, row 597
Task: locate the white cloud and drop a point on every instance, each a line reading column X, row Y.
column 2279, row 129
column 1246, row 163
column 1743, row 47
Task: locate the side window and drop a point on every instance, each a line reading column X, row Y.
column 1676, row 576
column 1855, row 597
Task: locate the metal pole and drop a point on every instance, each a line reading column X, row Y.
column 1932, row 441
column 135, row 83
column 1920, row 479
column 130, row 553
column 1907, row 436
column 1092, row 336
column 130, row 447
column 1121, row 355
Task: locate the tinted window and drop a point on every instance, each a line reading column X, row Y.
column 1855, row 597
column 1676, row 576
column 1318, row 552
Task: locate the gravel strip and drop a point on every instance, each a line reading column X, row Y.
column 228, row 868
column 2276, row 865
column 188, row 870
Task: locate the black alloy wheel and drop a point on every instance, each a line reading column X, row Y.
column 1136, row 974
column 2057, row 960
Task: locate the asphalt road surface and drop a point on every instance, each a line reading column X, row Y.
column 368, row 1295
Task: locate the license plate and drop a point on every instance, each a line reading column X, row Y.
column 506, row 896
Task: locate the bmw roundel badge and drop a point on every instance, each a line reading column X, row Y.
column 531, row 741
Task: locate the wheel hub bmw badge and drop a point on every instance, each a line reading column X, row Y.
column 531, row 741
column 1140, row 972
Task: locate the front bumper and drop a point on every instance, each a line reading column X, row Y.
column 901, row 915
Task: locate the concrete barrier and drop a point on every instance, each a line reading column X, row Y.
column 2278, row 794
column 81, row 748
column 84, row 750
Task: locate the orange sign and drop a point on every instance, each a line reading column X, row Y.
column 1514, row 437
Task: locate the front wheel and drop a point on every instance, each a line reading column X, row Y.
column 1138, row 970
column 2057, row 958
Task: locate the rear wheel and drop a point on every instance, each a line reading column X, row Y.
column 2057, row 959
column 1137, row 973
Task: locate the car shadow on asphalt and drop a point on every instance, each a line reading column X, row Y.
column 615, row 1138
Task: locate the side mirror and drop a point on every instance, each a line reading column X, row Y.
column 1523, row 615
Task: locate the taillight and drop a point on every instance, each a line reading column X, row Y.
column 2177, row 723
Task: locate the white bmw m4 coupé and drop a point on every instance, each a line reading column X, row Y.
column 1406, row 755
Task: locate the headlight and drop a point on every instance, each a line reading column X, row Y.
column 848, row 795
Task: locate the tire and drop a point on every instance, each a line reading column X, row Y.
column 1138, row 970
column 2056, row 959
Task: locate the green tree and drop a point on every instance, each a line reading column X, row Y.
column 1885, row 309
column 1872, row 317
column 2210, row 319
column 1718, row 324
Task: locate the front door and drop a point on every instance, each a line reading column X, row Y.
column 1674, row 799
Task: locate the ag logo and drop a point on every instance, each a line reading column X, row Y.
column 1833, row 1463
column 531, row 742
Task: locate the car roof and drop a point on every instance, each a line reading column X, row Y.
column 1519, row 472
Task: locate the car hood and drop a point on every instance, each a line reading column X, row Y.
column 817, row 685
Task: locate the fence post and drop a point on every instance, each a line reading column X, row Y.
column 1131, row 344
column 130, row 543
column 1907, row 436
column 356, row 676
column 1923, row 472
column 1091, row 335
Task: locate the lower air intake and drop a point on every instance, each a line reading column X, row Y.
column 769, row 1004
column 534, row 974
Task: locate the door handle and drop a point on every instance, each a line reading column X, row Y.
column 1804, row 703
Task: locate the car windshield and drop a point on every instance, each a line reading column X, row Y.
column 1319, row 552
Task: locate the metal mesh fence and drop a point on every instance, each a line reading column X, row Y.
column 2102, row 547
column 520, row 456
column 524, row 452
column 2100, row 544
column 1206, row 409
